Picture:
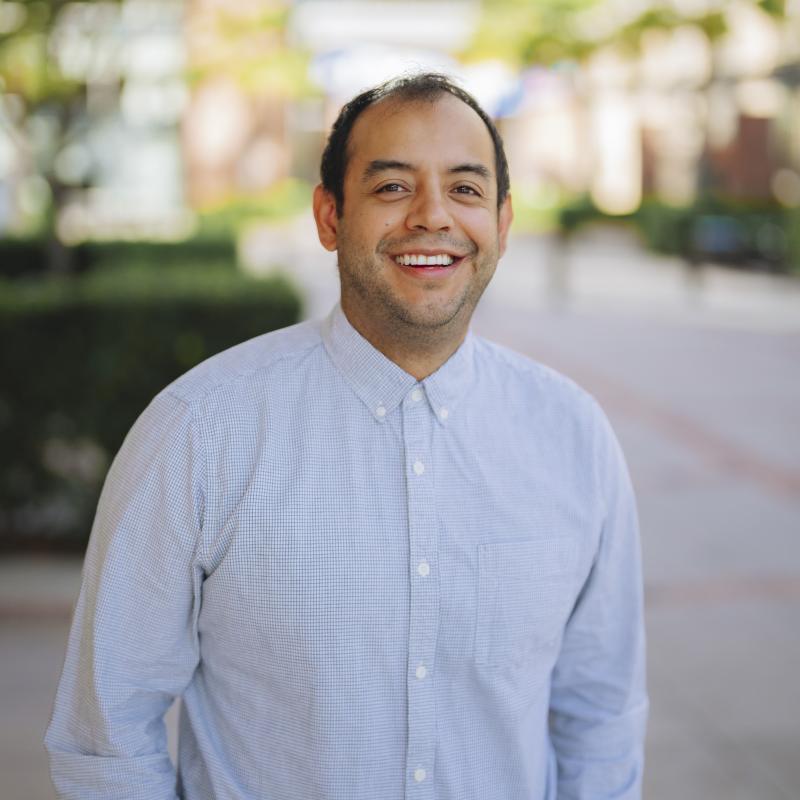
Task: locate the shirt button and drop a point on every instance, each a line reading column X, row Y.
column 419, row 468
column 421, row 672
column 444, row 413
column 424, row 569
column 381, row 411
column 420, row 774
column 416, row 395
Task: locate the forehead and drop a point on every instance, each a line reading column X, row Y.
column 444, row 130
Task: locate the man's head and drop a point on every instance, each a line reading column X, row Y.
column 415, row 200
column 427, row 86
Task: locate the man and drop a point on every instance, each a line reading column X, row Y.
column 377, row 557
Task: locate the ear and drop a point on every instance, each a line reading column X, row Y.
column 504, row 219
column 325, row 216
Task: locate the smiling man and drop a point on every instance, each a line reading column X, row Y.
column 378, row 557
column 423, row 225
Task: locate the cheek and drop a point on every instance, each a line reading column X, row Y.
column 482, row 228
column 371, row 222
column 478, row 218
column 390, row 218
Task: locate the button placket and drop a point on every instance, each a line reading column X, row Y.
column 418, row 422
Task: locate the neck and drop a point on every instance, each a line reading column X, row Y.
column 417, row 351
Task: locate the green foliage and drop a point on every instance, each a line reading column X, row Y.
column 30, row 72
column 665, row 228
column 548, row 32
column 775, row 8
column 664, row 18
column 22, row 256
column 713, row 229
column 30, row 257
column 26, row 65
column 793, row 239
column 523, row 32
column 536, row 210
column 283, row 199
column 579, row 212
column 201, row 253
column 83, row 356
column 249, row 46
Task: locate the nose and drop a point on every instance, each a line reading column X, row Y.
column 428, row 210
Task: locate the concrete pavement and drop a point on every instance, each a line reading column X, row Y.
column 700, row 379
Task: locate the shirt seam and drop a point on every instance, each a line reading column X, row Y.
column 203, row 393
column 201, row 552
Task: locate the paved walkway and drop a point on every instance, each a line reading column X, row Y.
column 701, row 381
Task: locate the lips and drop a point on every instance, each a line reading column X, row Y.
column 435, row 258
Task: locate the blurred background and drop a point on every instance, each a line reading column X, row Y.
column 156, row 166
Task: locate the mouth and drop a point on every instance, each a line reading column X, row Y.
column 429, row 264
column 423, row 260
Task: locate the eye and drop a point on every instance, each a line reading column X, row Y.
column 391, row 188
column 468, row 190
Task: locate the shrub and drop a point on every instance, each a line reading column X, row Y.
column 82, row 357
column 22, row 257
column 714, row 229
column 28, row 258
column 282, row 200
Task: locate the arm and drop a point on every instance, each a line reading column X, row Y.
column 598, row 704
column 133, row 645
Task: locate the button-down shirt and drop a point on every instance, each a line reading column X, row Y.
column 362, row 586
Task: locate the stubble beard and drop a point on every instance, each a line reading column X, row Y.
column 420, row 325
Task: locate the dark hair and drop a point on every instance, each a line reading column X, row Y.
column 423, row 86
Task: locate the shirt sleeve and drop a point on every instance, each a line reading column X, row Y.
column 133, row 645
column 598, row 705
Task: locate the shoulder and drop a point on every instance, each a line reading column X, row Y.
column 238, row 366
column 556, row 408
column 539, row 383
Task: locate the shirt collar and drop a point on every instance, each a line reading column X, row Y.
column 381, row 384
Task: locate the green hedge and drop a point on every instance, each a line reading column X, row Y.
column 82, row 357
column 22, row 258
column 714, row 229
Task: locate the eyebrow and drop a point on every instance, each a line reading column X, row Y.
column 383, row 165
column 475, row 169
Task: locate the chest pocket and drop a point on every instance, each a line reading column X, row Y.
column 525, row 592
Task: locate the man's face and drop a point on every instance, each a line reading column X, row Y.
column 421, row 232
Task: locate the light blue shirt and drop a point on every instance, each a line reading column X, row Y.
column 364, row 587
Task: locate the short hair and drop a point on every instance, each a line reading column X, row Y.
column 425, row 86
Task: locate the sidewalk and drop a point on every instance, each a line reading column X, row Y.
column 36, row 600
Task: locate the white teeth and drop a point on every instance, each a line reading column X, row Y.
column 414, row 260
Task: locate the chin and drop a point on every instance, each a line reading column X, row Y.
column 428, row 317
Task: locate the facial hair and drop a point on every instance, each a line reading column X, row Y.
column 363, row 274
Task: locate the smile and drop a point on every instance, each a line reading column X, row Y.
column 420, row 260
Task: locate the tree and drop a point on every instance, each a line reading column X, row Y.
column 41, row 105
